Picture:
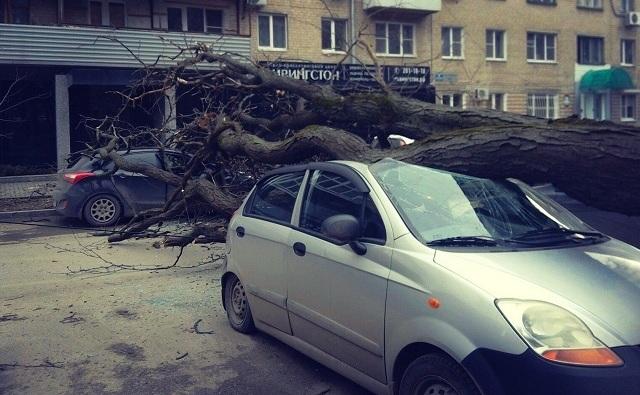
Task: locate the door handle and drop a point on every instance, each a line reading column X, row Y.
column 240, row 231
column 299, row 248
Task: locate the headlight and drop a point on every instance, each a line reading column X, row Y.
column 556, row 334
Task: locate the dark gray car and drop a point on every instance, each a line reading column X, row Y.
column 90, row 190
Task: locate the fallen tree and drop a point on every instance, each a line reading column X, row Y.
column 597, row 163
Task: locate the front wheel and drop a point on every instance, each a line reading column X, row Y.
column 435, row 374
column 237, row 306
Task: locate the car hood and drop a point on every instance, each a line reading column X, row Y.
column 600, row 283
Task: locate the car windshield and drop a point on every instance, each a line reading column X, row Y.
column 442, row 206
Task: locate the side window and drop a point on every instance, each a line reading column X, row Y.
column 176, row 163
column 150, row 158
column 330, row 194
column 275, row 197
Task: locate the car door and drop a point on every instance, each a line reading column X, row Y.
column 177, row 164
column 141, row 192
column 336, row 298
column 259, row 239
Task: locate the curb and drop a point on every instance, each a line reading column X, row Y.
column 27, row 214
column 31, row 178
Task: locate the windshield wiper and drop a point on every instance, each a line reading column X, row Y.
column 555, row 231
column 483, row 241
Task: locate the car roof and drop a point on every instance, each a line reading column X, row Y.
column 338, row 167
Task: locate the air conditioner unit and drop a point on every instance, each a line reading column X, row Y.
column 482, row 93
column 257, row 3
column 632, row 19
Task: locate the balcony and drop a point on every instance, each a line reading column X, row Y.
column 416, row 6
column 104, row 47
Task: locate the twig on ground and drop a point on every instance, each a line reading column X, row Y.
column 45, row 364
column 182, row 356
column 198, row 331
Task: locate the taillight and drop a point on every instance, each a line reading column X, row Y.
column 74, row 178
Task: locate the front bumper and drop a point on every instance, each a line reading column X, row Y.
column 498, row 373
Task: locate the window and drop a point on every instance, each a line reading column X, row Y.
column 3, row 15
column 542, row 105
column 628, row 112
column 334, row 35
column 394, row 39
column 628, row 5
column 627, row 52
column 174, row 19
column 590, row 50
column 195, row 20
column 275, row 197
column 116, row 15
column 272, row 31
column 95, row 13
column 595, row 4
column 214, row 21
column 19, row 12
column 452, row 46
column 496, row 45
column 498, row 102
column 541, row 47
column 542, row 2
column 176, row 163
column 330, row 194
column 453, row 100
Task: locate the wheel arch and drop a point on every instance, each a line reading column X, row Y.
column 409, row 354
column 223, row 281
column 415, row 350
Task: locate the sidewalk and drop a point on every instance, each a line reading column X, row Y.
column 27, row 186
column 26, row 196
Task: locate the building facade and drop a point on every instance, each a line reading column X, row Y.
column 546, row 58
column 67, row 55
column 533, row 56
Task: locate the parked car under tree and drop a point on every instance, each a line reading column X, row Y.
column 90, row 190
column 412, row 280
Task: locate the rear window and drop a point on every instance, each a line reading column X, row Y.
column 275, row 197
column 85, row 163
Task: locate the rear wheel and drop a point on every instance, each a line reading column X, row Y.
column 237, row 306
column 436, row 374
column 102, row 210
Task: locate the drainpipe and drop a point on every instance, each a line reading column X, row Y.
column 352, row 25
column 151, row 11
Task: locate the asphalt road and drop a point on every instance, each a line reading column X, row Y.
column 123, row 332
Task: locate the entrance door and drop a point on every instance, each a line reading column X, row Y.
column 336, row 298
column 595, row 106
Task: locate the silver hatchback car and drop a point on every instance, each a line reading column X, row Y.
column 411, row 280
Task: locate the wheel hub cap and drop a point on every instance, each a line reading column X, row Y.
column 103, row 210
column 239, row 301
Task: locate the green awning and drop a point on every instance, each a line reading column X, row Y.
column 615, row 78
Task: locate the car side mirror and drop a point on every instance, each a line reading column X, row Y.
column 344, row 228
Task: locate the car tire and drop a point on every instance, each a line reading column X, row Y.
column 102, row 210
column 237, row 306
column 438, row 375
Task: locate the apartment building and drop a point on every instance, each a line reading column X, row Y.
column 546, row 58
column 68, row 54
